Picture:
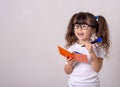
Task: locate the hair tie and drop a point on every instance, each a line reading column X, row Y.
column 96, row 17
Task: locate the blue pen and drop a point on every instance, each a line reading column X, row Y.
column 96, row 41
column 76, row 52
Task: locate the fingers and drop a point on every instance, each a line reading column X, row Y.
column 89, row 47
column 88, row 44
column 67, row 57
column 70, row 60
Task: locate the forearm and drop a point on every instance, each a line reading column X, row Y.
column 96, row 62
column 68, row 68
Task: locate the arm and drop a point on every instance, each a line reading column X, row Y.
column 95, row 62
column 68, row 68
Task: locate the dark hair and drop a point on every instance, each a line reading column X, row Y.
column 87, row 18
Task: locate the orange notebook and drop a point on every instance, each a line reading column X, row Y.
column 78, row 57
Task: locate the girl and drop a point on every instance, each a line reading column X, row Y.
column 83, row 28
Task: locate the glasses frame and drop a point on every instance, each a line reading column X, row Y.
column 83, row 26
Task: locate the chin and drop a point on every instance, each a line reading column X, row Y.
column 81, row 39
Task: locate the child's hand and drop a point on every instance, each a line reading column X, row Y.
column 70, row 61
column 89, row 47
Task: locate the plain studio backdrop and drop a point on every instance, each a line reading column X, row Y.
column 31, row 30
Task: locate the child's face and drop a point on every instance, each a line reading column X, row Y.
column 83, row 32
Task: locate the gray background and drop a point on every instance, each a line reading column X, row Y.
column 31, row 30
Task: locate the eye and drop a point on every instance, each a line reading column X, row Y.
column 84, row 26
column 76, row 26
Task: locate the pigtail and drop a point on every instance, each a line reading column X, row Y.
column 70, row 36
column 103, row 32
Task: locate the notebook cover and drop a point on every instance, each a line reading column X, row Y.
column 78, row 57
column 64, row 52
column 81, row 57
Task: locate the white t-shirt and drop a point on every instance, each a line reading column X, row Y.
column 83, row 75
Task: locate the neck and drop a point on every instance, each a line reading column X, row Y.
column 82, row 42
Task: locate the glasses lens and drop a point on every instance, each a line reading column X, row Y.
column 76, row 26
column 82, row 26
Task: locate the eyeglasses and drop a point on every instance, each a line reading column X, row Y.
column 81, row 26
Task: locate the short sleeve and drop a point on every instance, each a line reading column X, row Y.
column 100, row 53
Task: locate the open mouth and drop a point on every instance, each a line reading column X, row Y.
column 80, row 34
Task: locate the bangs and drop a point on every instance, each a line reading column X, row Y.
column 81, row 19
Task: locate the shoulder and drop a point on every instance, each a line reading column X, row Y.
column 100, row 52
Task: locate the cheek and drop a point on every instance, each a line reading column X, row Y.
column 88, row 34
column 75, row 32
